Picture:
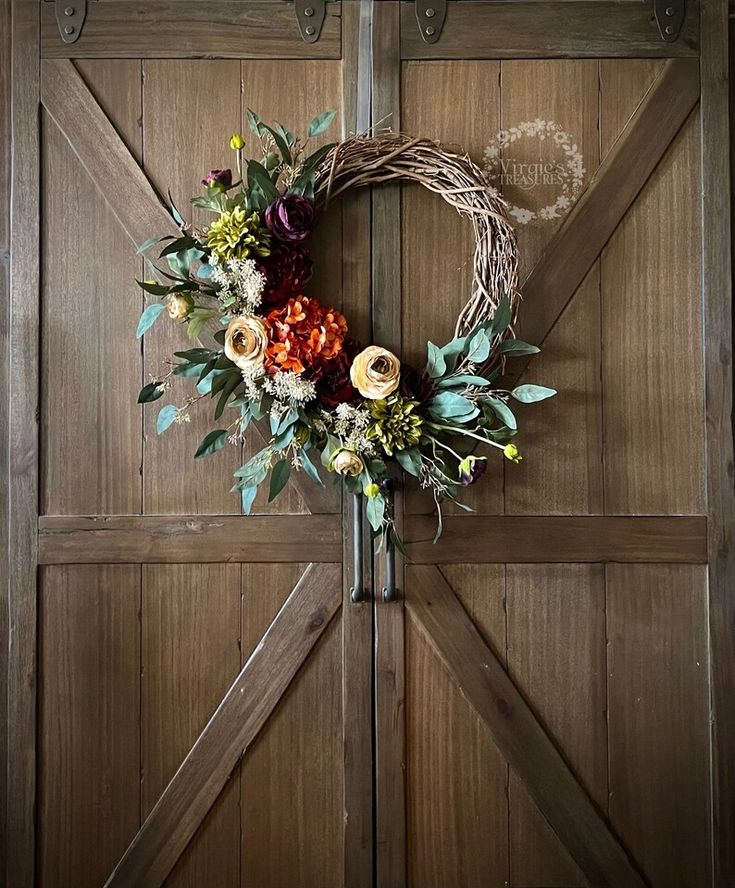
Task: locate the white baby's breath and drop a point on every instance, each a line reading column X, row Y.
column 240, row 285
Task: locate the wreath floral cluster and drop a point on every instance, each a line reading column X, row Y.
column 287, row 359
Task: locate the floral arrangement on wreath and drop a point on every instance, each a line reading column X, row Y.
column 288, row 359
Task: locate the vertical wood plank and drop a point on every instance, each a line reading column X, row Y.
column 98, row 421
column 89, row 731
column 548, row 606
column 651, row 311
column 23, row 446
column 561, row 441
column 5, row 75
column 190, row 657
column 436, row 285
column 659, row 719
column 389, row 619
column 357, row 649
column 717, row 235
column 201, row 101
column 456, row 778
column 291, row 777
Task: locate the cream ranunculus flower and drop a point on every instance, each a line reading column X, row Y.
column 347, row 463
column 178, row 307
column 245, row 341
column 375, row 372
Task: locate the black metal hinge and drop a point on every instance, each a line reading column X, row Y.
column 70, row 16
column 430, row 15
column 669, row 18
column 310, row 17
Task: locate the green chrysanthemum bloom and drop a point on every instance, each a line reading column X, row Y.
column 236, row 236
column 395, row 424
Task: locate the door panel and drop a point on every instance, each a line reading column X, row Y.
column 191, row 688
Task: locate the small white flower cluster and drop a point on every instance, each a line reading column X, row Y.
column 290, row 388
column 252, row 376
column 350, row 425
column 240, row 285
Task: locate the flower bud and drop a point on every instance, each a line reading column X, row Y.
column 236, row 142
column 177, row 306
column 372, row 490
column 511, row 453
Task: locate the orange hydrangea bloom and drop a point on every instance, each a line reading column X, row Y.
column 303, row 334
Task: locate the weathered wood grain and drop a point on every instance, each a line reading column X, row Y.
column 233, row 727
column 90, row 421
column 529, row 750
column 389, row 628
column 457, row 780
column 189, row 538
column 22, row 514
column 484, row 29
column 659, row 719
column 89, row 721
column 651, row 310
column 190, row 654
column 717, row 234
column 292, row 779
column 175, row 91
column 357, row 648
column 558, row 539
column 548, row 605
column 189, row 29
column 561, row 442
column 610, row 192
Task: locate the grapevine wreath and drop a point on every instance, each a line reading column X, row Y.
column 287, row 359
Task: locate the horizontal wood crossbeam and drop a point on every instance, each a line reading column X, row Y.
column 507, row 539
column 256, row 29
column 519, row 736
column 179, row 539
column 486, row 29
column 617, row 182
column 524, row 539
column 237, row 721
column 128, row 192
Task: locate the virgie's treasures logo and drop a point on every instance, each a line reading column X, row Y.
column 537, row 168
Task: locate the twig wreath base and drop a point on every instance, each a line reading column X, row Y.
column 284, row 358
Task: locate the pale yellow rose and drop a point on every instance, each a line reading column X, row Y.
column 177, row 306
column 375, row 372
column 347, row 463
column 245, row 341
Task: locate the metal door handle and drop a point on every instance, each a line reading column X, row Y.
column 356, row 590
column 389, row 590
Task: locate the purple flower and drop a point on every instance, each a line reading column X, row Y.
column 219, row 179
column 471, row 468
column 291, row 218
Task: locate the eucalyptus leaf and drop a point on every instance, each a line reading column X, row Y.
column 279, row 478
column 449, row 405
column 436, row 365
column 148, row 318
column 211, row 443
column 178, row 245
column 227, row 390
column 410, row 460
column 478, row 349
column 248, row 498
column 166, row 417
column 308, row 466
column 515, row 347
column 254, row 122
column 463, row 380
column 528, row 394
column 151, row 392
column 281, row 143
column 375, row 511
column 503, row 412
column 320, row 123
column 258, row 175
column 153, row 287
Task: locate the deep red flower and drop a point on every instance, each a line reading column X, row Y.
column 286, row 271
column 291, row 218
column 332, row 379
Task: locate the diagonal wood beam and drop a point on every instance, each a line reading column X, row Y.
column 519, row 736
column 128, row 191
column 235, row 724
column 617, row 182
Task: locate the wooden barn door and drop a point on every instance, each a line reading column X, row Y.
column 543, row 681
column 203, row 696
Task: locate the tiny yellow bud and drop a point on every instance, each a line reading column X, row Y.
column 236, row 142
column 511, row 453
column 372, row 490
